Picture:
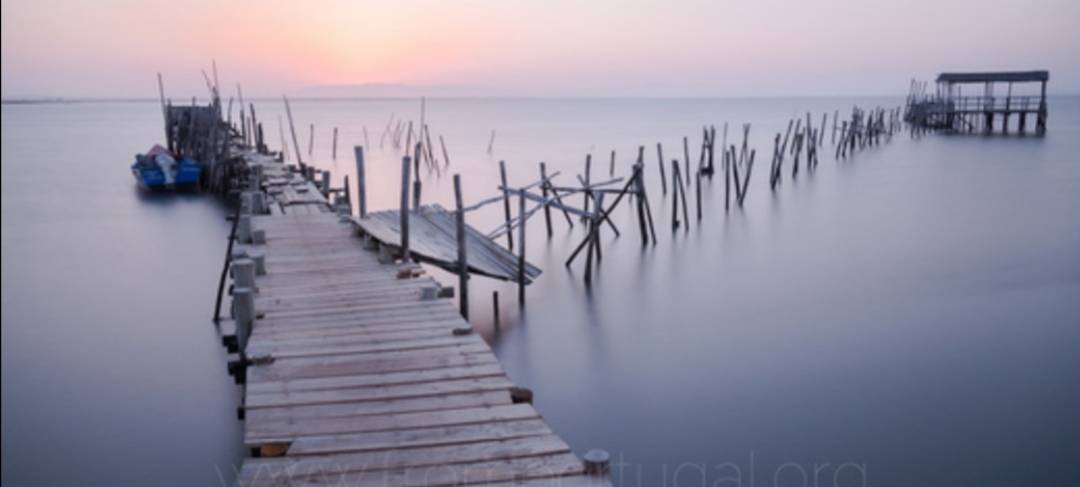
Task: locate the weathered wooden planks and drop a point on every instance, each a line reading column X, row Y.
column 434, row 240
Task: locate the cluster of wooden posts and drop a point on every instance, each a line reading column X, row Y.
column 198, row 132
column 866, row 129
column 423, row 150
column 800, row 144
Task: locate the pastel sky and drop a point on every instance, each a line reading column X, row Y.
column 113, row 48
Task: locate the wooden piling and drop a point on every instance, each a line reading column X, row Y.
column 679, row 185
column 674, row 195
column 521, row 247
column 445, row 155
column 292, row 130
column 728, row 163
column 686, row 156
column 348, row 194
column 697, row 194
column 588, row 176
column 406, row 165
column 544, row 190
column 660, row 163
column 311, row 140
column 506, row 205
column 636, row 179
column 333, row 150
column 361, row 181
column 463, row 266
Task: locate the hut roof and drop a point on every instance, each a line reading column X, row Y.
column 994, row 77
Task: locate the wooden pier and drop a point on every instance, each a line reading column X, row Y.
column 949, row 109
column 358, row 370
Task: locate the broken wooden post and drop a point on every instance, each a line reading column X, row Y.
column 463, row 266
column 506, row 203
column 495, row 307
column 406, row 165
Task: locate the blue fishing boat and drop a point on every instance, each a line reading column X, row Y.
column 158, row 170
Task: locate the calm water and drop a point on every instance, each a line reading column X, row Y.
column 907, row 317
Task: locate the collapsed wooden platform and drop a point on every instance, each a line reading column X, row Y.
column 360, row 374
column 434, row 241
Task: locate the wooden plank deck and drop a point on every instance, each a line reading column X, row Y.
column 359, row 381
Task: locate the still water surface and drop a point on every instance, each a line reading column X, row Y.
column 909, row 316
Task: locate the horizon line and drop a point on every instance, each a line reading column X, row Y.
column 43, row 99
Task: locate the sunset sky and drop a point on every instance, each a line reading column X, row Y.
column 113, row 48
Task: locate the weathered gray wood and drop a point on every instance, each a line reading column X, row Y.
column 274, row 431
column 437, row 243
column 273, row 471
column 391, row 440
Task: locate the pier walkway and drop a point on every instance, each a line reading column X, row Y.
column 361, row 373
